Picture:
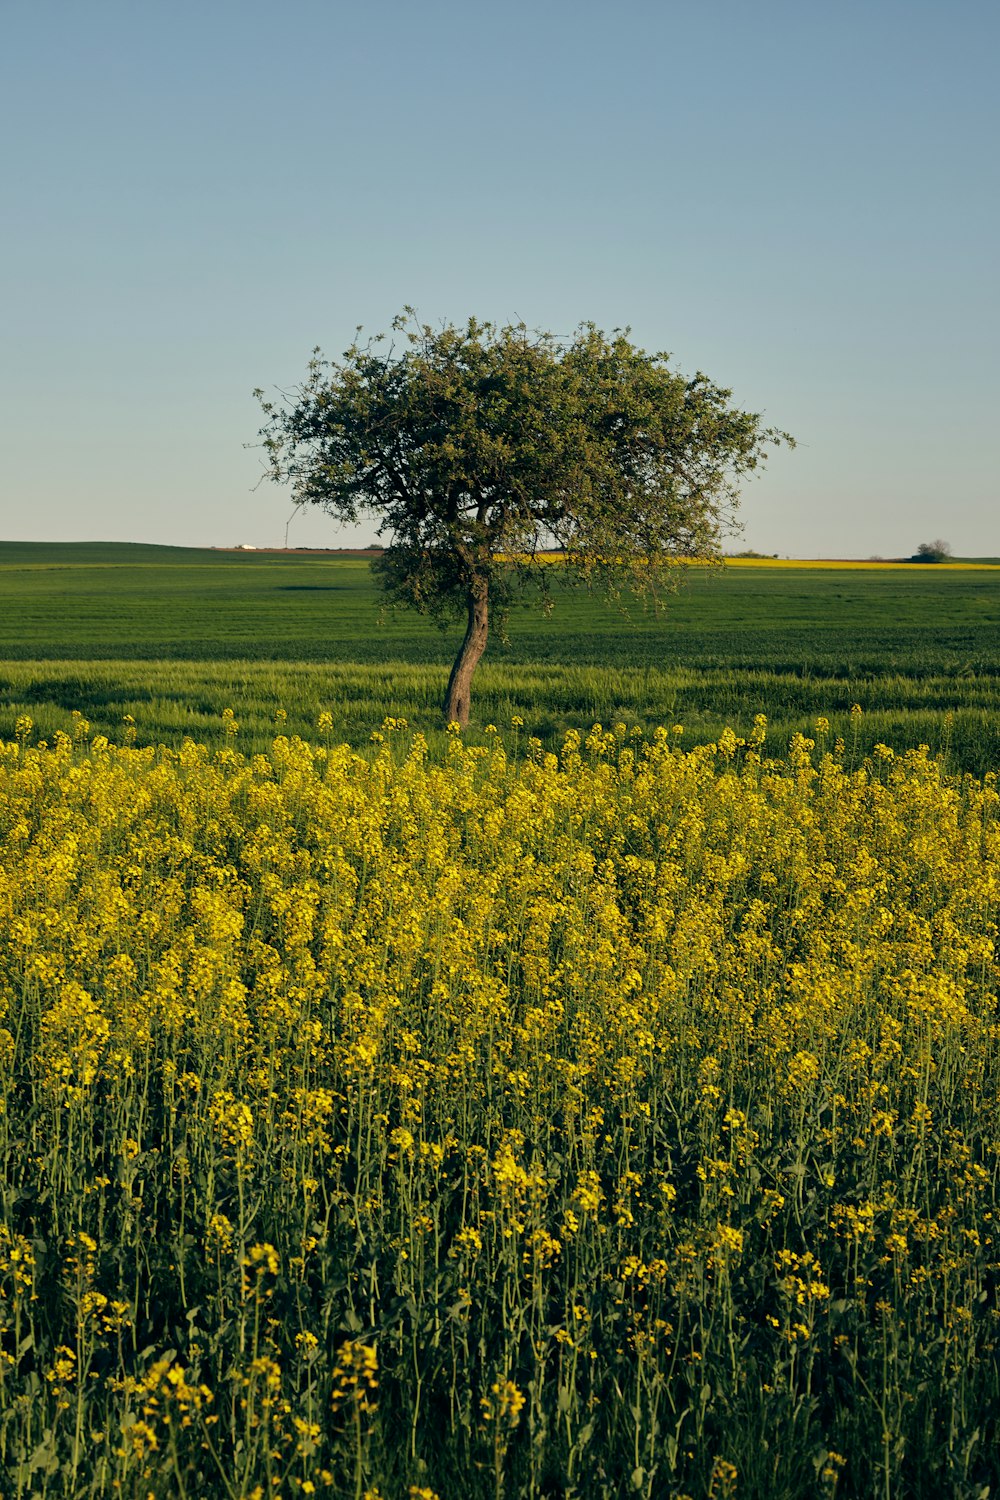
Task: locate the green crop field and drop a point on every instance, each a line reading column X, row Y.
column 174, row 635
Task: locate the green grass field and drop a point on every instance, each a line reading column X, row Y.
column 174, row 635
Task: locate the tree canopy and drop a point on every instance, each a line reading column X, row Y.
column 932, row 552
column 479, row 450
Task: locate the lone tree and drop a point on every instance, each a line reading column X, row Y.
column 481, row 449
column 932, row 552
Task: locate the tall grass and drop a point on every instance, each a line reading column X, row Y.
column 956, row 717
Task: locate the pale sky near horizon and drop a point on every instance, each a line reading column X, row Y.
column 797, row 198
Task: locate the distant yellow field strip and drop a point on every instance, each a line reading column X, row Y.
column 867, row 565
column 833, row 564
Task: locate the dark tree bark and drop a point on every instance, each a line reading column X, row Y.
column 458, row 698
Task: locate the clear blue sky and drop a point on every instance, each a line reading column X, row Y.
column 798, row 198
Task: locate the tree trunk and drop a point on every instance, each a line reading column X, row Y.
column 459, row 695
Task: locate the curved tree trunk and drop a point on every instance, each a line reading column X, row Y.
column 458, row 698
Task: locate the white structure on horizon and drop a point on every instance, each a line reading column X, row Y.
column 245, row 547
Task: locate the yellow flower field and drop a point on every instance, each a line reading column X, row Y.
column 617, row 1123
